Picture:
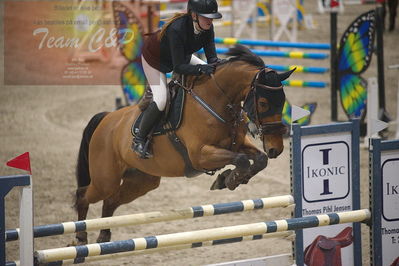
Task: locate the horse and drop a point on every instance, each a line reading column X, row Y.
column 108, row 170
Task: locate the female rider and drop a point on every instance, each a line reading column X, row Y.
column 171, row 49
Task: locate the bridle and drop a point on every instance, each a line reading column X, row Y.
column 267, row 128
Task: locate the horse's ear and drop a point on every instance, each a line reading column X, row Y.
column 285, row 75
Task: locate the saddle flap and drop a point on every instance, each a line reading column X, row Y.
column 174, row 116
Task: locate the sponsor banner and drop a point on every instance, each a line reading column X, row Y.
column 64, row 42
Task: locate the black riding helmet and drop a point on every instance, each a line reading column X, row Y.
column 205, row 8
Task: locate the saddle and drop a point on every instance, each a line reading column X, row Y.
column 173, row 112
column 395, row 262
column 170, row 121
column 326, row 251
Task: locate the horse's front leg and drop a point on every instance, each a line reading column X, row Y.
column 258, row 157
column 227, row 177
column 212, row 157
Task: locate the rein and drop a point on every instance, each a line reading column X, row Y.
column 230, row 106
column 207, row 107
column 235, row 110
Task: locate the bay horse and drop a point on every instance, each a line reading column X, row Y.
column 108, row 170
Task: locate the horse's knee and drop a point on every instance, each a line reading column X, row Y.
column 242, row 161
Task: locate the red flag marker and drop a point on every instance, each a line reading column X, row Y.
column 334, row 3
column 21, row 162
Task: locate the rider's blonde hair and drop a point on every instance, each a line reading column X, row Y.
column 170, row 21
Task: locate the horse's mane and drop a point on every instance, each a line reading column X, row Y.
column 242, row 53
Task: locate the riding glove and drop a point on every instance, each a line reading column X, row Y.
column 206, row 69
column 216, row 60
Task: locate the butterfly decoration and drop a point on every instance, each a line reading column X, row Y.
column 354, row 57
column 130, row 40
column 286, row 117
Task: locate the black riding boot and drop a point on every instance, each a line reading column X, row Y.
column 150, row 117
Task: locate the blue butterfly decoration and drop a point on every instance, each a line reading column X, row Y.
column 354, row 55
column 130, row 37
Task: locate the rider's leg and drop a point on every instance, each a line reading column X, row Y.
column 152, row 114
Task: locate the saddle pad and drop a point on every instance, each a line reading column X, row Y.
column 174, row 116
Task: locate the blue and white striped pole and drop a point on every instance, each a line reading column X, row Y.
column 150, row 242
column 153, row 217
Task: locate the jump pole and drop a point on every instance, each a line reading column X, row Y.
column 157, row 216
column 287, row 234
column 272, row 53
column 302, row 45
column 57, row 254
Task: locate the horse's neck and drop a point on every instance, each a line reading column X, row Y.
column 235, row 80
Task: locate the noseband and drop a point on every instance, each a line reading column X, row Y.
column 267, row 128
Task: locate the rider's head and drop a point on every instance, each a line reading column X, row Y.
column 203, row 12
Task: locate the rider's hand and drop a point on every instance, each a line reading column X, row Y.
column 217, row 61
column 206, row 69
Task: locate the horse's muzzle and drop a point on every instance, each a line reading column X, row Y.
column 273, row 128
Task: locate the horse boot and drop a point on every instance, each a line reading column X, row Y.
column 150, row 117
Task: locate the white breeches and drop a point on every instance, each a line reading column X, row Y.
column 158, row 83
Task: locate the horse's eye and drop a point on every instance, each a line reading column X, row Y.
column 263, row 105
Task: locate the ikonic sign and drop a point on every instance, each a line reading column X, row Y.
column 325, row 171
column 390, row 206
column 328, row 168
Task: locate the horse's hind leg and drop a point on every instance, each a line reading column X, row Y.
column 82, row 207
column 135, row 184
column 99, row 188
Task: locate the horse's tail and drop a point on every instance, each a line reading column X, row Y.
column 82, row 167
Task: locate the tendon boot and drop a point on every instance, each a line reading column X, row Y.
column 140, row 142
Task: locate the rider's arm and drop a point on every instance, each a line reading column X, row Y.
column 209, row 48
column 177, row 47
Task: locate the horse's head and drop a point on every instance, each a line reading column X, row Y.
column 264, row 105
column 264, row 99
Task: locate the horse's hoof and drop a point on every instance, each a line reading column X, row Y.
column 231, row 181
column 220, row 180
column 245, row 181
column 218, row 184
